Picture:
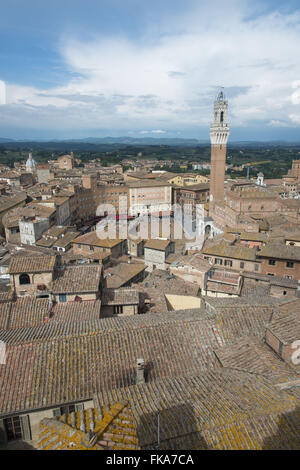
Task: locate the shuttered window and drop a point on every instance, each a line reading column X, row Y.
column 67, row 409
column 25, row 428
column 13, row 428
column 79, row 407
column 3, row 437
column 56, row 412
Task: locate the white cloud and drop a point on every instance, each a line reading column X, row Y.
column 295, row 98
column 154, row 131
column 2, row 92
column 277, row 123
column 170, row 79
column 295, row 118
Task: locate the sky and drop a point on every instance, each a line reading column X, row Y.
column 139, row 68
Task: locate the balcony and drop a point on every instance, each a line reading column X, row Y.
column 223, row 276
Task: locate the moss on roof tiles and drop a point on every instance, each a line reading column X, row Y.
column 32, row 264
column 229, row 251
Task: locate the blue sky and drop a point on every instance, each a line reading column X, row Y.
column 79, row 68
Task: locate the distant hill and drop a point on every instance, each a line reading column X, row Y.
column 99, row 143
column 138, row 140
column 105, row 143
column 2, row 139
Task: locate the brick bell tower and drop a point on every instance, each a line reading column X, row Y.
column 219, row 133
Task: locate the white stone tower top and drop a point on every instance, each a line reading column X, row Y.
column 30, row 164
column 260, row 179
column 219, row 129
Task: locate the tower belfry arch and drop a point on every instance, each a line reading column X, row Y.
column 219, row 133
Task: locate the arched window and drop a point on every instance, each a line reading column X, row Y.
column 222, row 116
column 24, row 279
column 262, row 208
column 207, row 231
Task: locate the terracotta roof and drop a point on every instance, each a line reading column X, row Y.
column 112, row 428
column 31, row 264
column 233, row 230
column 156, row 244
column 77, row 279
column 91, row 238
column 100, row 355
column 23, row 312
column 70, row 256
column 230, row 237
column 197, row 261
column 55, row 231
column 279, row 281
column 10, row 200
column 285, row 252
column 46, row 242
column 254, row 356
column 6, row 293
column 292, row 306
column 5, row 308
column 33, row 209
column 223, row 409
column 222, row 287
column 160, row 282
column 286, row 327
column 229, row 251
column 253, row 236
column 76, row 311
column 256, row 301
column 66, row 239
column 293, row 237
column 122, row 273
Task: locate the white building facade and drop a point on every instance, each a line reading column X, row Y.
column 32, row 230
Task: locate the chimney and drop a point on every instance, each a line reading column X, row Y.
column 50, row 306
column 140, row 371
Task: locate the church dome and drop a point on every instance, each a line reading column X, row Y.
column 30, row 163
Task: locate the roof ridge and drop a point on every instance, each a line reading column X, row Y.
column 77, row 329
